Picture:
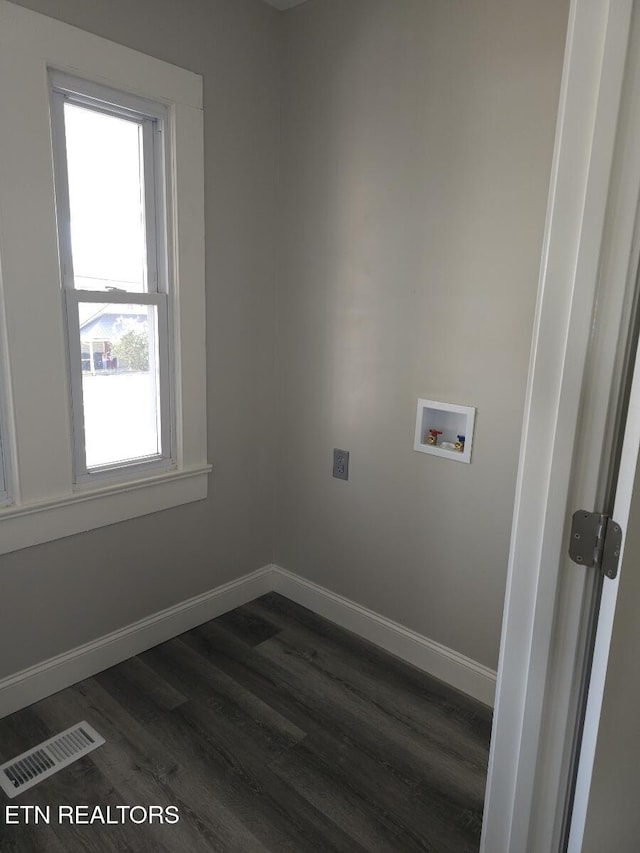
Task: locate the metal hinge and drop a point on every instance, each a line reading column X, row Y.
column 596, row 540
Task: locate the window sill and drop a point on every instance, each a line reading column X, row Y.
column 34, row 524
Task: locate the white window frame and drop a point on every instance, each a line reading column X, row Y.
column 118, row 471
column 4, row 480
column 152, row 117
column 5, row 391
column 46, row 501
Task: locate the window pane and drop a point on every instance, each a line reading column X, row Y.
column 119, row 346
column 106, row 200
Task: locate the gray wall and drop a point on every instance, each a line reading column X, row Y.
column 417, row 143
column 56, row 596
column 415, row 156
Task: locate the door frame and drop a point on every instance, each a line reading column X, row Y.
column 628, row 474
column 624, row 242
column 574, row 357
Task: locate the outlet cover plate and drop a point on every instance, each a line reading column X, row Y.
column 340, row 464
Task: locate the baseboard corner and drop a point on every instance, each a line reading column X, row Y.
column 455, row 669
column 23, row 688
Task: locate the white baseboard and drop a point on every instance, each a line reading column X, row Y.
column 455, row 669
column 22, row 689
column 30, row 685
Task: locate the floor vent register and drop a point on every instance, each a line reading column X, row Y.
column 26, row 770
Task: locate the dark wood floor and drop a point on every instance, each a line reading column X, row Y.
column 270, row 729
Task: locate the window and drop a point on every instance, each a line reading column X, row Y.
column 102, row 314
column 109, row 152
column 4, row 495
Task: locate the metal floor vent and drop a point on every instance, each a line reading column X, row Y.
column 47, row 758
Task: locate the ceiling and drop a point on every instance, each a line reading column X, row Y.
column 284, row 4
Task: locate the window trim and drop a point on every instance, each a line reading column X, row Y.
column 46, row 504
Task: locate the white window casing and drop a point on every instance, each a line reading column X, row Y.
column 51, row 495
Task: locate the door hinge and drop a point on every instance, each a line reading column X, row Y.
column 596, row 540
